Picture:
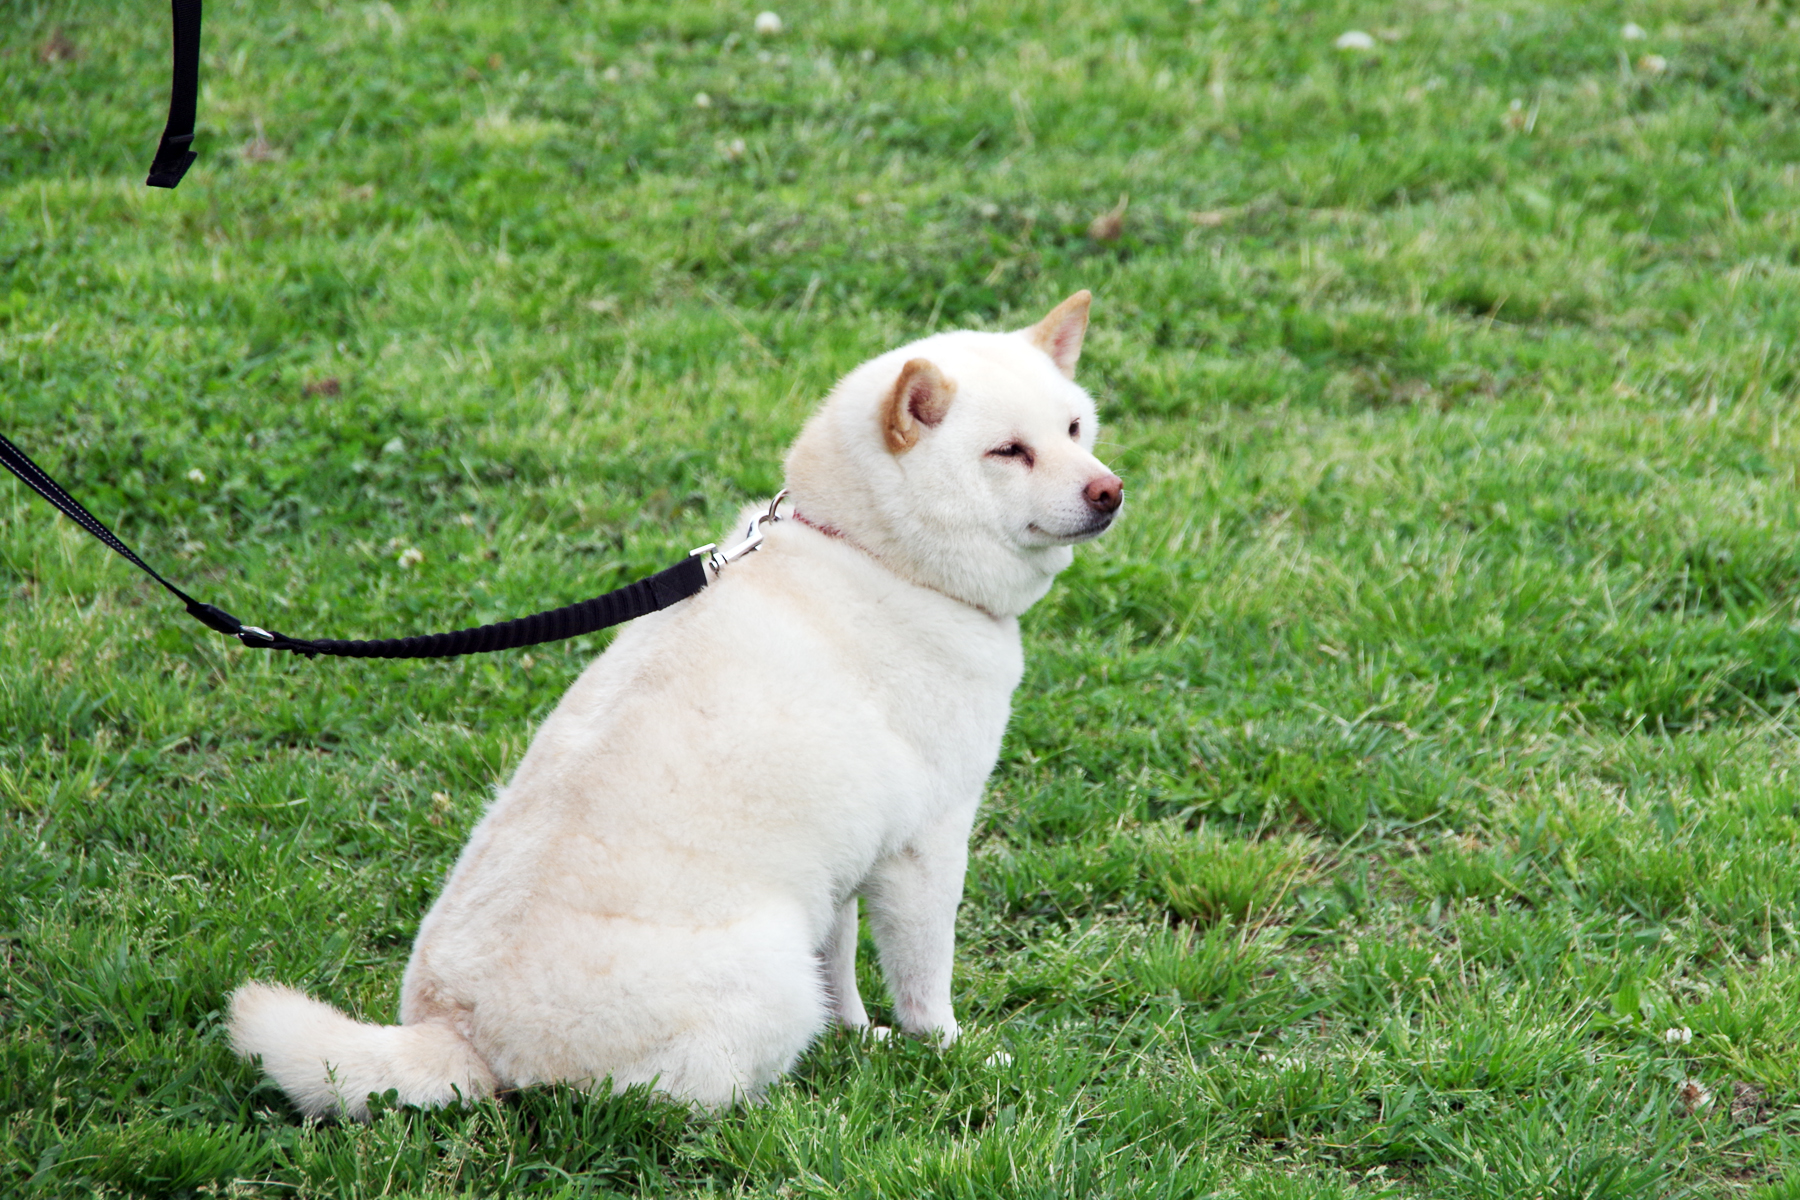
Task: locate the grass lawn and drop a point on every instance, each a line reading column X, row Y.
column 1401, row 801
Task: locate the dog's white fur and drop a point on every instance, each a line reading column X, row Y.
column 667, row 890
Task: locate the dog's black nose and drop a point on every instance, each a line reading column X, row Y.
column 1104, row 493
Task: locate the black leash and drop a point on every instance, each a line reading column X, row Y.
column 174, row 155
column 634, row 600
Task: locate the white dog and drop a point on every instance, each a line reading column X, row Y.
column 667, row 890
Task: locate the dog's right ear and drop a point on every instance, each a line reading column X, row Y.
column 921, row 397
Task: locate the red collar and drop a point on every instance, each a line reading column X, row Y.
column 827, row 530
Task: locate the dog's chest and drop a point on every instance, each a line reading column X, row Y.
column 908, row 728
column 881, row 707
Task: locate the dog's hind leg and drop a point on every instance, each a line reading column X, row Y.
column 711, row 1014
column 743, row 1006
column 838, row 959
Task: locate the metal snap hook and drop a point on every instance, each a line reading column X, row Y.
column 718, row 560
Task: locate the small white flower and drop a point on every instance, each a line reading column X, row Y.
column 768, row 24
column 466, row 519
column 396, row 446
column 1693, row 1095
column 1354, row 39
column 733, row 151
column 1653, row 64
column 1679, row 1036
column 611, row 74
column 196, row 475
column 1631, row 31
column 702, row 100
column 410, row 557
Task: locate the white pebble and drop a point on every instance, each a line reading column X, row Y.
column 1354, row 39
column 768, row 24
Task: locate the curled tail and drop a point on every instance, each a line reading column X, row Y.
column 328, row 1064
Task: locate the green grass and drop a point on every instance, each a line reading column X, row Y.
column 1418, row 750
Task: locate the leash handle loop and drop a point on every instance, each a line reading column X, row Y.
column 174, row 154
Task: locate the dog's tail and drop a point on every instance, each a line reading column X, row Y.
column 328, row 1064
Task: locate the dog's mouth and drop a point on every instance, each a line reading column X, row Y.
column 1093, row 529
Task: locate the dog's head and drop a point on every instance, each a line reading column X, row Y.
column 964, row 461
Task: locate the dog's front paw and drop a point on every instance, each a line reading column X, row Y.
column 936, row 1034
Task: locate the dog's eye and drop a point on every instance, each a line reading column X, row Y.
column 1018, row 450
column 1075, row 428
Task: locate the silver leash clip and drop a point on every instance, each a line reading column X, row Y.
column 718, row 559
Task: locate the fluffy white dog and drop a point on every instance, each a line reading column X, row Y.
column 667, row 890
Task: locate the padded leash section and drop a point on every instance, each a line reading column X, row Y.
column 174, row 155
column 634, row 600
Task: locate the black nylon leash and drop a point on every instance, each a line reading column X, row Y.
column 634, row 600
column 174, row 155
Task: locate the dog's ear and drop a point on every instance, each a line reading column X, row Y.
column 921, row 396
column 1059, row 334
